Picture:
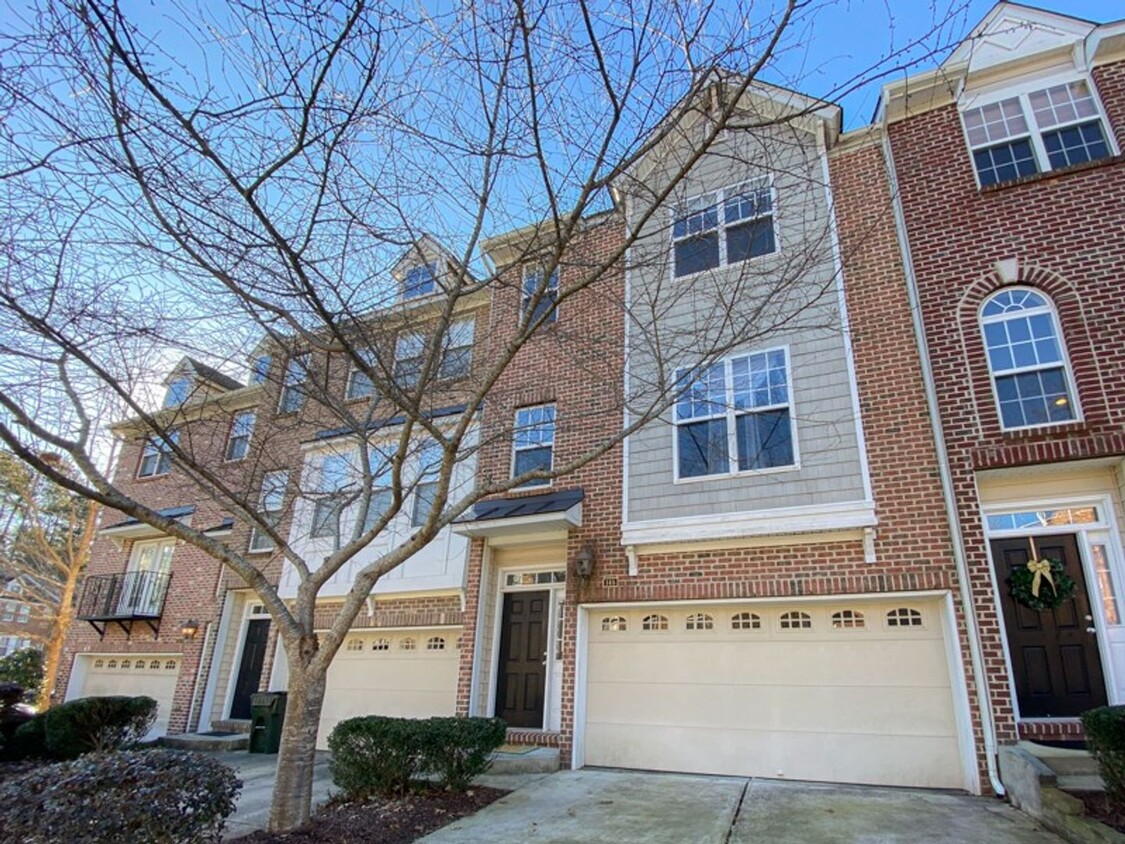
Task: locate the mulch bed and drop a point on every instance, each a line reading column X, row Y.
column 382, row 821
column 1098, row 809
column 9, row 770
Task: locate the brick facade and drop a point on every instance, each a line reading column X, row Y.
column 1058, row 232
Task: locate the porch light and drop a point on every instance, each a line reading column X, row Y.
column 584, row 562
column 188, row 629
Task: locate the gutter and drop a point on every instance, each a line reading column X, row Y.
column 976, row 656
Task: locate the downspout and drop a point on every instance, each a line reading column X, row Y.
column 976, row 657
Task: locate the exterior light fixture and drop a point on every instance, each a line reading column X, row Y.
column 584, row 562
column 188, row 629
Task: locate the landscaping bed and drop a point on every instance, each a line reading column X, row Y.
column 383, row 820
column 1098, row 809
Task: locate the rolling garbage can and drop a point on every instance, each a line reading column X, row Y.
column 267, row 714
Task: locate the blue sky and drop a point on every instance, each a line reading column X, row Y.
column 851, row 35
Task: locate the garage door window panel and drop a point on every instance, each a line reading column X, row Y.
column 615, row 624
column 745, row 621
column 848, row 620
column 795, row 621
column 904, row 617
column 654, row 622
column 700, row 621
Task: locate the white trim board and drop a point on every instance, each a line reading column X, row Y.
column 826, row 517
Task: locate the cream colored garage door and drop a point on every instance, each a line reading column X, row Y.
column 407, row 674
column 154, row 675
column 851, row 692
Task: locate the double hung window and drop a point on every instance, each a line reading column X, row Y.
column 420, row 280
column 425, row 489
column 293, row 389
column 271, row 504
column 534, row 442
column 735, row 416
column 457, row 360
column 360, row 385
column 335, row 471
column 156, row 457
column 1026, row 359
column 409, row 353
column 723, row 227
column 177, row 392
column 241, row 429
column 260, row 369
column 1031, row 133
column 539, row 295
column 382, row 494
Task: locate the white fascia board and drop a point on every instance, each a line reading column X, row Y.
column 522, row 524
column 829, row 517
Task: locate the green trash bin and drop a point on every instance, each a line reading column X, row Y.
column 267, row 714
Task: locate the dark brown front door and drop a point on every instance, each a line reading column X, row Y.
column 1058, row 671
column 523, row 647
column 250, row 667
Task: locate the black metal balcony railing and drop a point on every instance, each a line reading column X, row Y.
column 124, row 599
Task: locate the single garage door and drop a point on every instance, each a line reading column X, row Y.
column 406, row 674
column 154, row 675
column 853, row 692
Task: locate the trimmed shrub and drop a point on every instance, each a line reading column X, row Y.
column 1105, row 738
column 24, row 667
column 97, row 724
column 375, row 754
column 13, row 713
column 459, row 749
column 29, row 741
column 158, row 796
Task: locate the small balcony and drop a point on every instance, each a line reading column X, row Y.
column 124, row 599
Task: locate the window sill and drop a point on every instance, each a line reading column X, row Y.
column 1053, row 174
column 745, row 473
column 1074, row 426
column 728, row 265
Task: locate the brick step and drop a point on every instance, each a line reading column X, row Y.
column 535, row 738
column 532, row 760
column 231, row 725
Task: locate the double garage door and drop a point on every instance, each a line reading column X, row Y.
column 407, row 674
column 856, row 692
column 154, row 675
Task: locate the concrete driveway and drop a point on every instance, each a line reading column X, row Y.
column 626, row 806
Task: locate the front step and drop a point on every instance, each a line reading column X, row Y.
column 1074, row 770
column 214, row 742
column 232, row 725
column 512, row 759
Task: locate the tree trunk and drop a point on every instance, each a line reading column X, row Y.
column 292, row 793
column 52, row 655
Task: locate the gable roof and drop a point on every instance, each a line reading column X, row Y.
column 1011, row 31
column 204, row 373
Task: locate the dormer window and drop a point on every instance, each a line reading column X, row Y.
column 421, row 280
column 260, row 369
column 178, row 392
column 1035, row 132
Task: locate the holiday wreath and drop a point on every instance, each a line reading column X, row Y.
column 1041, row 584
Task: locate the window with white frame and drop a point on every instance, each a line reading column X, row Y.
column 723, row 227
column 156, row 456
column 410, row 349
column 457, row 358
column 426, row 487
column 178, row 392
column 420, row 280
column 539, row 295
column 293, row 388
column 1026, row 358
column 260, row 369
column 382, row 494
column 360, row 385
column 1047, row 129
column 8, row 610
column 734, row 416
column 241, row 429
column 271, row 504
column 533, row 440
column 335, row 471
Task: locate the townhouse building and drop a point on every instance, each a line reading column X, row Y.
column 24, row 620
column 1008, row 177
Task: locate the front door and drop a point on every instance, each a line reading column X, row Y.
column 250, row 667
column 1058, row 670
column 522, row 673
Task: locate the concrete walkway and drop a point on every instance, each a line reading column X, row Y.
column 619, row 806
column 257, row 772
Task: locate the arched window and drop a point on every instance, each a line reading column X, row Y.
column 435, row 643
column 355, row 644
column 407, row 645
column 1026, row 359
column 848, row 619
column 154, row 665
column 654, row 622
column 614, row 624
column 904, row 617
column 745, row 621
column 795, row 620
column 381, row 645
column 700, row 621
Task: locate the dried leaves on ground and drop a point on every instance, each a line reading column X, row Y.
column 1098, row 808
column 383, row 821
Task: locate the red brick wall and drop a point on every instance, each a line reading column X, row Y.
column 1065, row 231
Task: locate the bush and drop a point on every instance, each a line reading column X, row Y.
column 25, row 668
column 29, row 741
column 97, row 724
column 459, row 749
column 158, row 796
column 13, row 713
column 374, row 754
column 1105, row 738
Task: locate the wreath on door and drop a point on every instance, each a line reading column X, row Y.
column 1041, row 584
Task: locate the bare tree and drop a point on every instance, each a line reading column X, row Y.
column 45, row 543
column 211, row 182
